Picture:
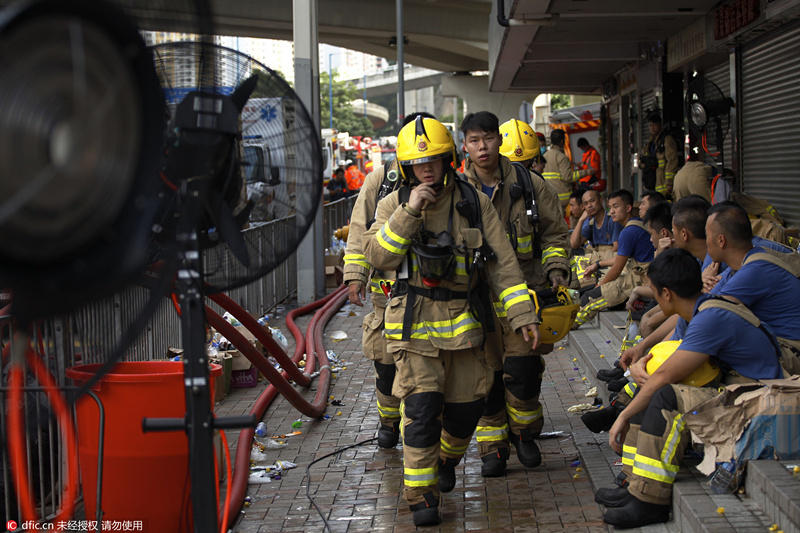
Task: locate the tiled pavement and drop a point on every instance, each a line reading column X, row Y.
column 361, row 489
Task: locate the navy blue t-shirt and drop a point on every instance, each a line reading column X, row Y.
column 732, row 341
column 602, row 235
column 634, row 242
column 757, row 241
column 487, row 190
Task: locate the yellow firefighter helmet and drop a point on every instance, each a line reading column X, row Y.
column 519, row 141
column 424, row 139
column 662, row 351
column 557, row 318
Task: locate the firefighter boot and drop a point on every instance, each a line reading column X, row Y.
column 527, row 450
column 388, row 436
column 612, row 497
column 447, row 474
column 494, row 463
column 636, row 513
column 426, row 513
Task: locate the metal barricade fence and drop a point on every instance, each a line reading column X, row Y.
column 90, row 333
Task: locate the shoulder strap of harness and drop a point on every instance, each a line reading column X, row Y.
column 528, row 194
column 790, row 262
column 637, row 223
column 388, row 184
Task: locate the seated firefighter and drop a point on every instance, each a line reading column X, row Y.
column 634, row 253
column 441, row 236
column 724, row 343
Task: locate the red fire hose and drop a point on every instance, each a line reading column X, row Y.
column 316, row 351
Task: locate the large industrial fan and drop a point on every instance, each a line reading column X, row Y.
column 124, row 164
column 708, row 113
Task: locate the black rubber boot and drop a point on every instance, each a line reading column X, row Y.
column 388, row 436
column 494, row 464
column 426, row 513
column 612, row 497
column 610, row 374
column 616, row 385
column 621, row 480
column 527, row 450
column 636, row 513
column 601, row 419
column 447, row 474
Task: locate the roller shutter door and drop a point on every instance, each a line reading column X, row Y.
column 771, row 122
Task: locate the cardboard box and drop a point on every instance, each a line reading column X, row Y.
column 222, row 385
column 239, row 361
column 333, row 276
column 242, row 379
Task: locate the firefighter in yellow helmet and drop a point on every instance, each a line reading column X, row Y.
column 445, row 243
column 358, row 275
column 520, row 143
column 530, row 212
column 652, row 431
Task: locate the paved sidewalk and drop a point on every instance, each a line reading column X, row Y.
column 361, row 489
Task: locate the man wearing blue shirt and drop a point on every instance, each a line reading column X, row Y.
column 650, row 432
column 634, row 253
column 594, row 226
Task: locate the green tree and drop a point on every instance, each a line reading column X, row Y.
column 559, row 101
column 344, row 117
column 268, row 86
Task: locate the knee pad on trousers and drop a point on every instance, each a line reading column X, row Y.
column 663, row 399
column 460, row 419
column 424, row 410
column 496, row 400
column 385, row 377
column 523, row 376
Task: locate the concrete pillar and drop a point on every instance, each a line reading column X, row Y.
column 474, row 90
column 311, row 270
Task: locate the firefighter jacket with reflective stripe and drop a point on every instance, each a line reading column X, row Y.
column 449, row 324
column 666, row 151
column 558, row 173
column 356, row 266
column 693, row 178
column 540, row 248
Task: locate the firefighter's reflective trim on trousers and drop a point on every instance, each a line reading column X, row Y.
column 661, row 188
column 628, row 454
column 357, row 259
column 523, row 417
column 654, row 469
column 590, row 309
column 551, row 175
column 576, row 175
column 673, row 439
column 491, row 433
column 669, row 176
column 550, row 252
column 440, row 329
column 662, row 163
column 451, row 449
column 579, row 263
column 420, row 477
column 392, row 242
column 564, row 196
column 630, row 388
column 525, row 244
column 388, row 412
column 513, row 295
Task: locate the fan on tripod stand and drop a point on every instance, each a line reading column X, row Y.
column 95, row 186
column 708, row 111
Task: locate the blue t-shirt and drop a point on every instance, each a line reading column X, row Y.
column 757, row 241
column 634, row 242
column 488, row 191
column 602, row 235
column 732, row 341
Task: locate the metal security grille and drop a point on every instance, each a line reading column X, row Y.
column 720, row 75
column 770, row 131
column 649, row 103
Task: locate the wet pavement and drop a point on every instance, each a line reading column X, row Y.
column 361, row 489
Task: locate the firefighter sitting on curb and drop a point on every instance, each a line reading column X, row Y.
column 634, row 253
column 441, row 237
column 650, row 433
column 377, row 185
column 539, row 241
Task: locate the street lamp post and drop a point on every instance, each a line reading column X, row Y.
column 330, row 89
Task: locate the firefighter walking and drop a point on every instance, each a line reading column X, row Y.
column 558, row 171
column 537, row 234
column 441, row 236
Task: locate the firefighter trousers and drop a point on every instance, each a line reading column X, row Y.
column 652, row 455
column 442, row 398
column 374, row 346
column 513, row 402
column 610, row 294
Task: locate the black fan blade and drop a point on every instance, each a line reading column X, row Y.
column 243, row 92
column 229, row 232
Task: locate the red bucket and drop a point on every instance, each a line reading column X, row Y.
column 145, row 475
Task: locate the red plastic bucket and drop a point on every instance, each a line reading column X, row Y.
column 145, row 475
